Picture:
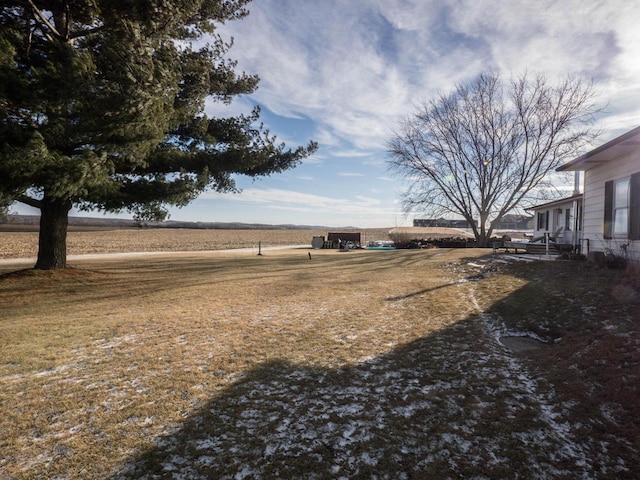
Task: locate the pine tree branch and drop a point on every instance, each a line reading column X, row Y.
column 86, row 32
column 32, row 202
column 44, row 20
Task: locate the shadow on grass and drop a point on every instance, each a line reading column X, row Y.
column 419, row 292
column 419, row 412
column 142, row 277
column 454, row 404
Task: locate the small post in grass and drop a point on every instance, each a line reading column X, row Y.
column 259, row 248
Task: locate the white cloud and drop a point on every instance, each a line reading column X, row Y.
column 354, row 67
column 350, row 153
column 326, row 64
column 304, row 177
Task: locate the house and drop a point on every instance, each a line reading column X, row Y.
column 561, row 220
column 611, row 199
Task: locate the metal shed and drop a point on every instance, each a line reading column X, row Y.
column 336, row 239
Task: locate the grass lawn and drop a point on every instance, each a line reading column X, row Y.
column 346, row 365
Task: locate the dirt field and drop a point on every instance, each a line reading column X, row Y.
column 25, row 244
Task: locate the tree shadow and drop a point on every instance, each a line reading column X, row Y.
column 453, row 404
column 418, row 293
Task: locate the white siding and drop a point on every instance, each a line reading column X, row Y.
column 557, row 214
column 593, row 213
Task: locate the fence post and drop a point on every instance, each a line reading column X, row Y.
column 546, row 238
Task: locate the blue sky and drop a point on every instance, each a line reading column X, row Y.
column 343, row 72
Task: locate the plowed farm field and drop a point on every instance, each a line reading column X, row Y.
column 23, row 244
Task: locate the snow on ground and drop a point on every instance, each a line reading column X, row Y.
column 454, row 404
column 457, row 404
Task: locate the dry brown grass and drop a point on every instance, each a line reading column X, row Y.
column 591, row 317
column 206, row 364
column 98, row 361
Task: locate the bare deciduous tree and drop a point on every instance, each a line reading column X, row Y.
column 483, row 149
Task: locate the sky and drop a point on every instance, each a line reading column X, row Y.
column 344, row 72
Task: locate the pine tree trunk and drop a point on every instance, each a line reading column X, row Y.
column 52, row 244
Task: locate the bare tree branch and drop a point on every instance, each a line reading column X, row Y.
column 482, row 150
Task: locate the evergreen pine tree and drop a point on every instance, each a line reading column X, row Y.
column 102, row 107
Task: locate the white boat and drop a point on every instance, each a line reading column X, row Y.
column 381, row 245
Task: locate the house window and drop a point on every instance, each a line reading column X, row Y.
column 567, row 219
column 579, row 217
column 543, row 220
column 621, row 208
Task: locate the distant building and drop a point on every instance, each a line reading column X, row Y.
column 440, row 222
column 338, row 239
column 508, row 222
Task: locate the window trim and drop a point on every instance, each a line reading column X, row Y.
column 543, row 220
column 633, row 208
column 568, row 224
column 619, row 206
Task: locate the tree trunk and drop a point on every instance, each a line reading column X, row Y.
column 52, row 244
column 482, row 240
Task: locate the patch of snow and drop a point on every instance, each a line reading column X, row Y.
column 246, row 472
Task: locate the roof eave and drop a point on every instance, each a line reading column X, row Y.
column 556, row 202
column 594, row 158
